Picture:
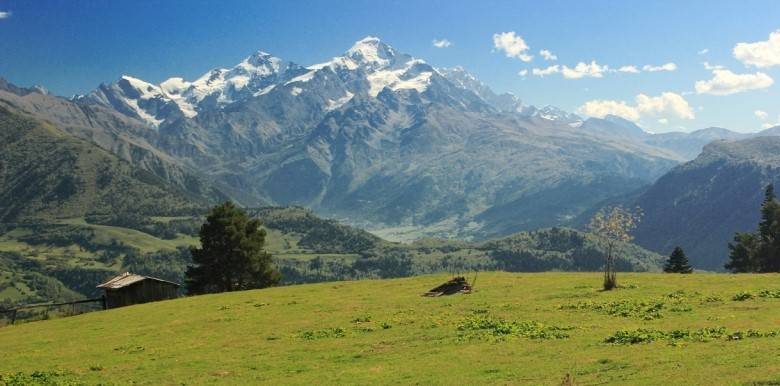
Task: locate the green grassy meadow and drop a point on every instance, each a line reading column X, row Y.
column 516, row 328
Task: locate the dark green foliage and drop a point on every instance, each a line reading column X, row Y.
column 707, row 334
column 32, row 277
column 321, row 235
column 759, row 251
column 167, row 230
column 231, row 257
column 742, row 253
column 391, row 263
column 678, row 262
column 485, row 326
column 564, row 249
column 167, row 265
column 42, row 378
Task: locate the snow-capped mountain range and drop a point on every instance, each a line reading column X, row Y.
column 373, row 136
column 367, row 68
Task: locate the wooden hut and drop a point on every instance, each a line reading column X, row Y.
column 128, row 289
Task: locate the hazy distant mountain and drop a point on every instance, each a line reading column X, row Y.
column 700, row 204
column 689, row 145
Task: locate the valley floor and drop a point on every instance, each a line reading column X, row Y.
column 516, row 328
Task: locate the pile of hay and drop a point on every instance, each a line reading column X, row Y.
column 455, row 285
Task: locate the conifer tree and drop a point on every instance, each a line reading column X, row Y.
column 742, row 253
column 231, row 256
column 678, row 262
column 769, row 250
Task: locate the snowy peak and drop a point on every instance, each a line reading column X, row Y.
column 371, row 51
column 552, row 113
column 138, row 89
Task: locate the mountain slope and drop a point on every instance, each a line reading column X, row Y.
column 45, row 173
column 126, row 137
column 700, row 204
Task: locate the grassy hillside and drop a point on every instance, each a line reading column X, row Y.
column 514, row 329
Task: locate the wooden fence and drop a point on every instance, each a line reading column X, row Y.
column 27, row 312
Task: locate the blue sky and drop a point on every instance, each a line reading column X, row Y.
column 72, row 46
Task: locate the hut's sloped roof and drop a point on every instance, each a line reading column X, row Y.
column 127, row 279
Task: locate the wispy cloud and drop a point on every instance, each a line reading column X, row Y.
column 628, row 69
column 5, row 14
column 704, row 51
column 441, row 43
column 725, row 82
column 710, row 67
column 595, row 70
column 547, row 55
column 760, row 54
column 512, row 45
column 665, row 106
column 664, row 67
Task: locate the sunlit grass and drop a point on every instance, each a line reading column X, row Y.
column 383, row 331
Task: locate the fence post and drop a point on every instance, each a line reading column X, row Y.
column 13, row 316
column 103, row 302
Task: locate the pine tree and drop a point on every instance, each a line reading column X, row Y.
column 742, row 253
column 231, row 256
column 768, row 208
column 768, row 249
column 678, row 262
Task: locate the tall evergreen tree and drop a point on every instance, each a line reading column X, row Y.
column 759, row 251
column 677, row 262
column 769, row 248
column 742, row 253
column 231, row 256
column 768, row 208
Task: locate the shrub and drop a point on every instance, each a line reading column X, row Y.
column 742, row 296
column 335, row 332
column 768, row 293
column 499, row 328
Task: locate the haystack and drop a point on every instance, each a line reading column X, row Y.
column 455, row 285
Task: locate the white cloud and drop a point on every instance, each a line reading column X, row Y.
column 582, row 70
column 761, row 115
column 546, row 71
column 665, row 106
column 601, row 108
column 663, row 67
column 441, row 43
column 522, row 72
column 710, row 67
column 547, row 55
column 667, row 103
column 513, row 45
column 628, row 69
column 704, row 51
column 5, row 14
column 767, row 125
column 725, row 82
column 595, row 70
column 760, row 54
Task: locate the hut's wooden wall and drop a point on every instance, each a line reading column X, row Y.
column 141, row 292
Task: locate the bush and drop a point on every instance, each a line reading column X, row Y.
column 742, row 296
